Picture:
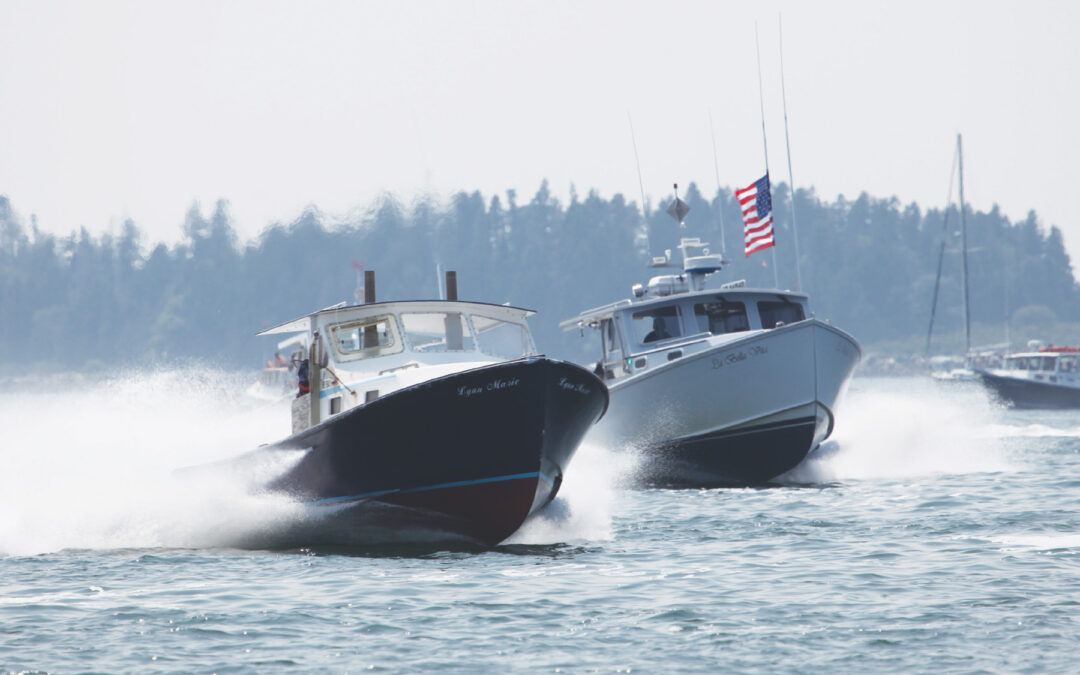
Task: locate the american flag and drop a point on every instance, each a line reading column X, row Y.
column 756, row 204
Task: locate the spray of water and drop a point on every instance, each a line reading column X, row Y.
column 909, row 427
column 92, row 465
column 583, row 510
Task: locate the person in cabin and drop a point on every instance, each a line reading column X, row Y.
column 302, row 379
column 658, row 332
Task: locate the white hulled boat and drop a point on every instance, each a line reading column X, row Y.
column 728, row 386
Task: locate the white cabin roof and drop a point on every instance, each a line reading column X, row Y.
column 345, row 312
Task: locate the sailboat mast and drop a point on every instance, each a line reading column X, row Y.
column 764, row 140
column 941, row 253
column 791, row 176
column 964, row 248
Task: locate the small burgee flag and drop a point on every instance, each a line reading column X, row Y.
column 755, row 201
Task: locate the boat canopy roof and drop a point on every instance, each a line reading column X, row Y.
column 303, row 324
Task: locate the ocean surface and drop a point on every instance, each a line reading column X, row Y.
column 936, row 532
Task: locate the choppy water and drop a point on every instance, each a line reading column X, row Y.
column 935, row 533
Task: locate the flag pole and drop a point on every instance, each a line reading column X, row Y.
column 720, row 209
column 764, row 140
column 787, row 142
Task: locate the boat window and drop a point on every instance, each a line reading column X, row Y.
column 775, row 311
column 653, row 325
column 1048, row 362
column 721, row 317
column 365, row 338
column 1067, row 364
column 501, row 338
column 437, row 331
column 1015, row 363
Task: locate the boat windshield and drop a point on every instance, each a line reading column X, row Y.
column 1030, row 362
column 365, row 338
column 721, row 317
column 779, row 312
column 501, row 338
column 437, row 331
column 653, row 325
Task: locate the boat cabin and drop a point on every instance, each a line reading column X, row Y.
column 636, row 335
column 360, row 352
column 1057, row 365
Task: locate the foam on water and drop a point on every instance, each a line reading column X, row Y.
column 1039, row 542
column 1034, row 431
column 911, row 428
column 583, row 510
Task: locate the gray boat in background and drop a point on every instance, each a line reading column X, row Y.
column 716, row 387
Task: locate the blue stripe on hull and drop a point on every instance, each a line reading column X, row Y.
column 461, row 483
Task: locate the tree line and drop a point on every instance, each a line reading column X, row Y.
column 84, row 301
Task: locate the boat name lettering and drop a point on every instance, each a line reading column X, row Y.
column 494, row 385
column 731, row 358
column 573, row 386
column 502, row 384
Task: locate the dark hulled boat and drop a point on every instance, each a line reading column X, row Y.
column 1045, row 377
column 434, row 418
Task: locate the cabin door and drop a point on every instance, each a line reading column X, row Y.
column 612, row 360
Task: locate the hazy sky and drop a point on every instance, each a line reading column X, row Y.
column 116, row 109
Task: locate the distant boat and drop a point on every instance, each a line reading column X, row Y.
column 277, row 379
column 716, row 387
column 1041, row 377
column 964, row 370
column 433, row 418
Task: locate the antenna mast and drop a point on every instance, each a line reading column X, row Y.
column 764, row 141
column 720, row 209
column 787, row 141
column 641, row 183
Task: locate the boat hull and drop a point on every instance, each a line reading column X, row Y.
column 739, row 413
column 467, row 456
column 1026, row 393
